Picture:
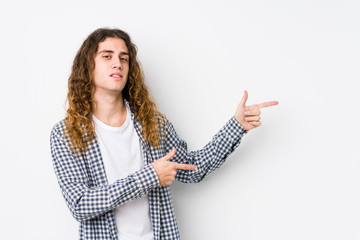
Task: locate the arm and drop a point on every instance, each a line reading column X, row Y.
column 210, row 157
column 85, row 200
column 214, row 154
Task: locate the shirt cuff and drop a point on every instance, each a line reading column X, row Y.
column 147, row 178
column 234, row 130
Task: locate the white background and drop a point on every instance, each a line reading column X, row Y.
column 295, row 177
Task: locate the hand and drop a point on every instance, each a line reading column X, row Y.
column 249, row 116
column 166, row 170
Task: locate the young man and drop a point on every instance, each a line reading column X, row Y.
column 115, row 155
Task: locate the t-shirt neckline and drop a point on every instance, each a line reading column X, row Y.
column 105, row 126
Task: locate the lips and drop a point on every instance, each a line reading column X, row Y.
column 116, row 75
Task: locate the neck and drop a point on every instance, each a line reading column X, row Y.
column 110, row 109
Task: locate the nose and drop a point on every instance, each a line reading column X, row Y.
column 117, row 63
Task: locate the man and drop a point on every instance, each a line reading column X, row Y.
column 115, row 155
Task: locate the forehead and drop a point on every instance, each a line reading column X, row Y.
column 113, row 44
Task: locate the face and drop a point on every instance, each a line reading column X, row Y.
column 111, row 66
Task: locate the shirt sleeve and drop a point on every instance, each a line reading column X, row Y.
column 86, row 200
column 210, row 157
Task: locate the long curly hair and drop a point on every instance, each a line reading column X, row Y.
column 78, row 121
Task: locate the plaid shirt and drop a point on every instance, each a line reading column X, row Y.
column 91, row 199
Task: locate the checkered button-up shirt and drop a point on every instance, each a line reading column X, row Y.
column 91, row 199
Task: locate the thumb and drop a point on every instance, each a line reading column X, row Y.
column 244, row 99
column 170, row 155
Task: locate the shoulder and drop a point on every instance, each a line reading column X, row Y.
column 59, row 128
column 170, row 134
column 58, row 132
column 59, row 141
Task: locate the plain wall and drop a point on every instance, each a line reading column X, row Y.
column 295, row 177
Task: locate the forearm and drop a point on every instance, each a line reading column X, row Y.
column 85, row 195
column 212, row 156
column 89, row 202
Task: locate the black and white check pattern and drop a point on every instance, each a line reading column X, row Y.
column 91, row 199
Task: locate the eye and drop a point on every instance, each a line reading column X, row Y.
column 124, row 59
column 106, row 56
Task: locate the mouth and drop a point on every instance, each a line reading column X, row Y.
column 116, row 75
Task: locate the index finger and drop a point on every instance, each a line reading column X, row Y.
column 185, row 166
column 268, row 104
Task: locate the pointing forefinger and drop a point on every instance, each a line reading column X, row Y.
column 185, row 166
column 268, row 104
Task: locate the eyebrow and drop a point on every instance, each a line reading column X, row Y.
column 111, row 51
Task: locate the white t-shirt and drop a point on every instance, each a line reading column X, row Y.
column 122, row 155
